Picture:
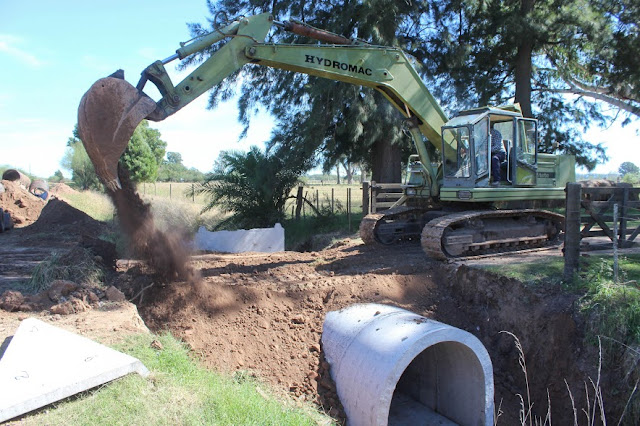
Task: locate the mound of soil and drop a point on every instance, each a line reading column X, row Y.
column 23, row 206
column 61, row 189
column 59, row 216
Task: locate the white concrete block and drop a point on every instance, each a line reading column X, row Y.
column 391, row 365
column 44, row 364
column 264, row 240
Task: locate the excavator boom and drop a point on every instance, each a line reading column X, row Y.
column 111, row 109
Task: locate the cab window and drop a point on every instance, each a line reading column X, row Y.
column 460, row 142
column 526, row 146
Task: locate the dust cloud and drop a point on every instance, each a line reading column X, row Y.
column 164, row 252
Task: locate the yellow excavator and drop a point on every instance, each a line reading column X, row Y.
column 450, row 200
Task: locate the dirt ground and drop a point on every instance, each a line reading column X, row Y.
column 263, row 313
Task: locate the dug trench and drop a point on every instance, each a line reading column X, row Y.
column 262, row 315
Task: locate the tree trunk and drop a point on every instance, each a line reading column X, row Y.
column 523, row 67
column 386, row 160
column 299, row 199
column 348, row 170
column 338, row 172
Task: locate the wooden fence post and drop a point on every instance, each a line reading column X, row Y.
column 615, row 243
column 365, row 198
column 572, row 230
column 332, row 200
column 373, row 208
column 623, row 218
column 349, row 207
column 317, row 200
column 299, row 202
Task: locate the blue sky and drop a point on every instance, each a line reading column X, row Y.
column 52, row 51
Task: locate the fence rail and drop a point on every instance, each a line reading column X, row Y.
column 382, row 195
column 613, row 212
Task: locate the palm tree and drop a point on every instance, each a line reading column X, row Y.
column 252, row 186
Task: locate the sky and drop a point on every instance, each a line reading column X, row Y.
column 52, row 51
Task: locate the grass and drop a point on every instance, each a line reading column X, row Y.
column 299, row 233
column 533, row 274
column 614, row 308
column 178, row 391
column 95, row 204
column 78, row 266
column 612, row 312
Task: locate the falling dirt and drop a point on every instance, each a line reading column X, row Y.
column 165, row 252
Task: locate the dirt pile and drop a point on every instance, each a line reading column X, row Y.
column 61, row 189
column 23, row 206
column 59, row 216
column 165, row 252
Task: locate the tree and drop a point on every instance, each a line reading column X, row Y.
column 174, row 158
column 77, row 160
column 172, row 170
column 252, row 186
column 628, row 167
column 141, row 157
column 554, row 58
column 323, row 116
column 144, row 153
column 57, row 177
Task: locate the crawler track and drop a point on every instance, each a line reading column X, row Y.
column 489, row 232
column 391, row 226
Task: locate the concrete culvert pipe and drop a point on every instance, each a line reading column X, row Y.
column 394, row 367
column 15, row 176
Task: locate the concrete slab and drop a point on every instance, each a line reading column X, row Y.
column 263, row 240
column 43, row 364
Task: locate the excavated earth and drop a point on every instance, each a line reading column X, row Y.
column 263, row 313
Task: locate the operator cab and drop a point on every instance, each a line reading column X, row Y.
column 466, row 148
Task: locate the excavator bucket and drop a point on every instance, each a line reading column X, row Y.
column 108, row 114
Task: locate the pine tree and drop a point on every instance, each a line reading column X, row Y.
column 320, row 116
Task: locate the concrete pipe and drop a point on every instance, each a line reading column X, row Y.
column 15, row 176
column 39, row 188
column 393, row 367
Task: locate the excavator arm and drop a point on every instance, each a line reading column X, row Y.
column 385, row 69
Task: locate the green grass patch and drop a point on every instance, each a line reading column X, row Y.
column 178, row 391
column 613, row 307
column 95, row 204
column 543, row 272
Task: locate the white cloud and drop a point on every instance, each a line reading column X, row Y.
column 8, row 45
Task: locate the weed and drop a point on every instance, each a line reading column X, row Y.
column 78, row 265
